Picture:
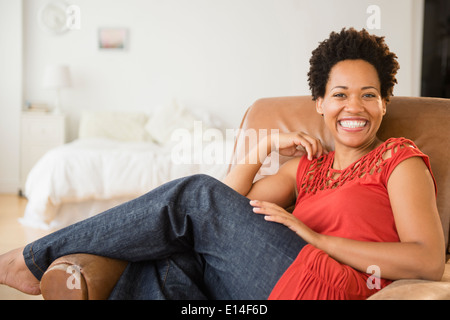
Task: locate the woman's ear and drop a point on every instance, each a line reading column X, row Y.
column 319, row 108
column 384, row 102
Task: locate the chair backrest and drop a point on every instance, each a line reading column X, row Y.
column 426, row 121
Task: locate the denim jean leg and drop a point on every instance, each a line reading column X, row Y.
column 138, row 230
column 244, row 255
column 179, row 277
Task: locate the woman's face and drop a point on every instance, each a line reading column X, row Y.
column 352, row 105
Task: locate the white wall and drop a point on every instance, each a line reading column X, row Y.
column 10, row 92
column 215, row 54
column 218, row 55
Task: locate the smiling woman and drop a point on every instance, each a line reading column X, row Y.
column 367, row 203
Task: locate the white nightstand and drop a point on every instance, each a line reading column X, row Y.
column 40, row 132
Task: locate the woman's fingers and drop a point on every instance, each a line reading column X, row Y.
column 264, row 204
column 313, row 147
column 267, row 208
column 317, row 149
column 275, row 213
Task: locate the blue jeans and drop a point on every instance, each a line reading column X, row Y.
column 192, row 238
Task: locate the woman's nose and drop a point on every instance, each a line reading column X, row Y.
column 354, row 105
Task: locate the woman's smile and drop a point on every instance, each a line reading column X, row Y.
column 353, row 124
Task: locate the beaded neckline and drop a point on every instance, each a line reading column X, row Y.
column 320, row 175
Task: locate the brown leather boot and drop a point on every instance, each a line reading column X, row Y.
column 81, row 277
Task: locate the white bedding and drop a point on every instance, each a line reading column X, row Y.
column 102, row 169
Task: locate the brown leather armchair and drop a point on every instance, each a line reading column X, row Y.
column 423, row 120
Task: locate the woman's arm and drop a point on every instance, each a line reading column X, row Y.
column 280, row 187
column 420, row 252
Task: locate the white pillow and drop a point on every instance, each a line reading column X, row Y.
column 166, row 119
column 122, row 126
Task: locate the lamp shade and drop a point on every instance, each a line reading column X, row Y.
column 57, row 76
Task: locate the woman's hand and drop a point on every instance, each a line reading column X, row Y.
column 242, row 176
column 275, row 213
column 297, row 144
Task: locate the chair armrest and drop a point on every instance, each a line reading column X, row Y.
column 410, row 289
column 81, row 277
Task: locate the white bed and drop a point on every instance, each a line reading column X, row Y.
column 118, row 157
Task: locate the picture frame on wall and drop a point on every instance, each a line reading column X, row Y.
column 113, row 38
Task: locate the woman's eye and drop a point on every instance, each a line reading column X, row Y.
column 339, row 95
column 369, row 95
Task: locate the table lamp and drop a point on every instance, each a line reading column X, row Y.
column 57, row 77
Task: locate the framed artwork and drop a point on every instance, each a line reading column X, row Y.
column 113, row 38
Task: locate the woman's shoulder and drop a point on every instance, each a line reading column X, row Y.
column 393, row 145
column 397, row 150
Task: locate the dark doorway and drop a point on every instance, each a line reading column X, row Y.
column 436, row 49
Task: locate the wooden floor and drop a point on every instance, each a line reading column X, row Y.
column 14, row 235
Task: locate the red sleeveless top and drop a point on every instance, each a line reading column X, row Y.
column 352, row 203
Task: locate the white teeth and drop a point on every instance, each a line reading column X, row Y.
column 352, row 124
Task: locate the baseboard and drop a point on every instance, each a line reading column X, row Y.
column 10, row 187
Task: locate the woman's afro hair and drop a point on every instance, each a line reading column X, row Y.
column 352, row 44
